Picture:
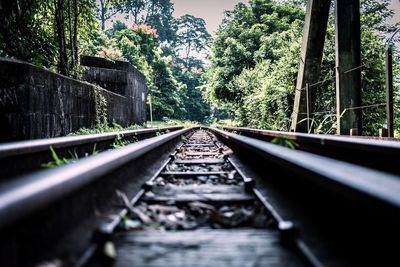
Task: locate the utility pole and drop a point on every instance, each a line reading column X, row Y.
column 389, row 85
column 315, row 24
column 348, row 83
column 389, row 92
column 348, row 60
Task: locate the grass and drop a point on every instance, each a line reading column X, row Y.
column 106, row 129
column 119, row 141
column 285, row 141
column 171, row 122
column 224, row 123
column 57, row 161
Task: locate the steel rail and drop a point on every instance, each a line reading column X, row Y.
column 375, row 153
column 30, row 146
column 327, row 172
column 346, row 209
column 27, row 194
column 106, row 229
column 50, row 203
column 21, row 157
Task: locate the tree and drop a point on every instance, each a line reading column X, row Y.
column 22, row 36
column 117, row 26
column 54, row 33
column 196, row 105
column 239, row 43
column 108, row 9
column 138, row 46
column 159, row 16
column 134, row 7
column 192, row 35
column 167, row 93
column 157, row 13
column 45, row 33
column 67, row 15
column 258, row 79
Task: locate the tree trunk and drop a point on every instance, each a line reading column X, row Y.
column 62, row 47
column 103, row 11
column 136, row 14
column 187, row 55
column 75, row 36
column 71, row 46
column 152, row 11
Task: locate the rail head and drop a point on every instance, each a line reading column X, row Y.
column 33, row 146
column 377, row 185
column 29, row 193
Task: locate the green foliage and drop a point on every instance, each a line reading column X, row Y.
column 133, row 8
column 243, row 39
column 255, row 63
column 46, row 33
column 192, row 35
column 54, row 33
column 263, row 95
column 100, row 108
column 120, row 141
column 115, row 128
column 117, row 26
column 57, row 161
column 138, row 46
column 285, row 141
column 22, row 34
column 197, row 108
column 159, row 16
column 165, row 90
column 106, row 9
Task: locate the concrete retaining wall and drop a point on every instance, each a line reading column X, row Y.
column 37, row 103
column 119, row 77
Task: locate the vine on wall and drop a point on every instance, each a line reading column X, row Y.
column 100, row 108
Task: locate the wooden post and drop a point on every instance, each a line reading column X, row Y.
column 315, row 24
column 383, row 132
column 389, row 92
column 308, row 96
column 354, row 132
column 348, row 79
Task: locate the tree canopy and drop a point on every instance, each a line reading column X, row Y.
column 253, row 63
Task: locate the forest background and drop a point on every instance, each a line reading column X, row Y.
column 249, row 75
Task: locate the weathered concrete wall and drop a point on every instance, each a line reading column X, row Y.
column 37, row 103
column 119, row 77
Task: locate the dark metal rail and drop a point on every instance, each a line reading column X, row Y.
column 375, row 153
column 17, row 158
column 51, row 206
column 343, row 211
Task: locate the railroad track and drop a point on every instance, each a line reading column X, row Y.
column 198, row 206
column 200, row 191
